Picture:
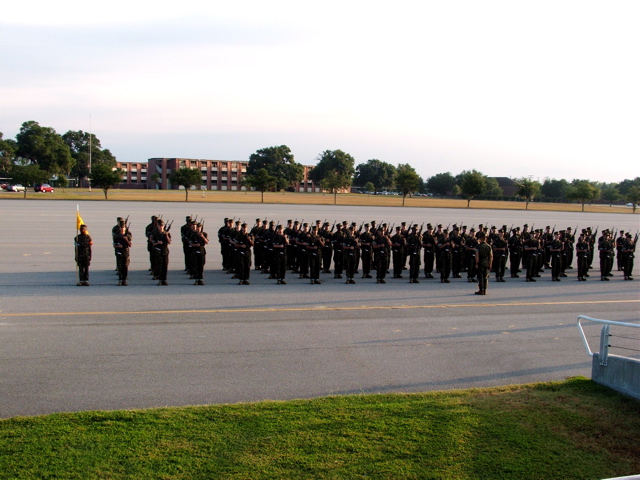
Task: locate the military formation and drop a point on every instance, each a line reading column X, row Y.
column 348, row 251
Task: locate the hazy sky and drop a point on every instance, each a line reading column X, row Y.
column 510, row 88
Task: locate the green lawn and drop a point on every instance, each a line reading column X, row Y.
column 573, row 429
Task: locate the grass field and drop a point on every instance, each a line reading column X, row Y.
column 574, row 429
column 306, row 198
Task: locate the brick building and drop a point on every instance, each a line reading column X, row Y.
column 222, row 175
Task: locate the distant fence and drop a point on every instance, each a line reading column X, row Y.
column 619, row 372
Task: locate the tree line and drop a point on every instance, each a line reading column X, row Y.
column 39, row 153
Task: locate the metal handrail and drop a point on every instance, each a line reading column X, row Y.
column 603, row 335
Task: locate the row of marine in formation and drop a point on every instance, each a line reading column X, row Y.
column 344, row 249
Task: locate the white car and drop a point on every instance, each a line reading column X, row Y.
column 630, row 205
column 16, row 188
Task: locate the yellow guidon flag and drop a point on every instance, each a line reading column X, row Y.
column 79, row 221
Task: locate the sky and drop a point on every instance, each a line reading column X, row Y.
column 544, row 89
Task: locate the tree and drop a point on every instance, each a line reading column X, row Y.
column 472, row 183
column 380, row 174
column 407, row 180
column 611, row 194
column 441, row 183
column 626, row 184
column 279, row 163
column 492, row 188
column 104, row 177
column 187, row 178
column 583, row 191
column 43, row 146
column 633, row 196
column 369, row 187
column 554, row 190
column 79, row 143
column 333, row 182
column 527, row 189
column 27, row 175
column 7, row 153
column 336, row 167
column 261, row 181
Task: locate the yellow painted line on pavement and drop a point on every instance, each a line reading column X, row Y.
column 318, row 308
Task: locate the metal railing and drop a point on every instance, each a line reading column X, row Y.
column 605, row 335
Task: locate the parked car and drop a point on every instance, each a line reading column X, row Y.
column 15, row 188
column 43, row 188
column 630, row 205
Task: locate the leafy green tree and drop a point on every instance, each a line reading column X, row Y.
column 261, row 181
column 492, row 188
column 472, row 184
column 43, row 146
column 633, row 196
column 279, row 163
column 583, row 191
column 610, row 194
column 554, row 190
column 187, row 178
column 336, row 167
column 380, row 174
column 456, row 191
column 369, row 187
column 8, row 149
column 528, row 189
column 441, row 183
column 27, row 175
column 333, row 182
column 104, row 177
column 407, row 180
column 79, row 143
column 62, row 181
column 626, row 184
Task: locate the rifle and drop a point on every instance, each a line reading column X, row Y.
column 127, row 224
column 168, row 226
column 333, row 226
column 421, row 227
column 361, row 225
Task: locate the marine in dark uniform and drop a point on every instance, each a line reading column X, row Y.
column 280, row 242
column 83, row 244
column 121, row 246
column 243, row 242
column 197, row 242
column 366, row 251
column 160, row 240
column 582, row 255
column 412, row 248
column 429, row 246
column 499, row 247
column 397, row 249
column 381, row 244
column 313, row 245
column 349, row 245
column 555, row 248
column 444, row 246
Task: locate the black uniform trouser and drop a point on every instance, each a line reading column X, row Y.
column 314, row 264
column 445, row 267
column 556, row 264
column 244, row 265
column 338, row 261
column 162, row 264
column 414, row 264
column 471, row 265
column 398, row 262
column 199, row 259
column 500, row 264
column 627, row 263
column 583, row 265
column 515, row 262
column 531, row 264
column 327, row 252
column 366, row 261
column 429, row 260
column 280, row 263
column 349, row 263
column 381, row 265
column 83, row 268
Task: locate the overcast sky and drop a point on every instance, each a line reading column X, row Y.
column 509, row 88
